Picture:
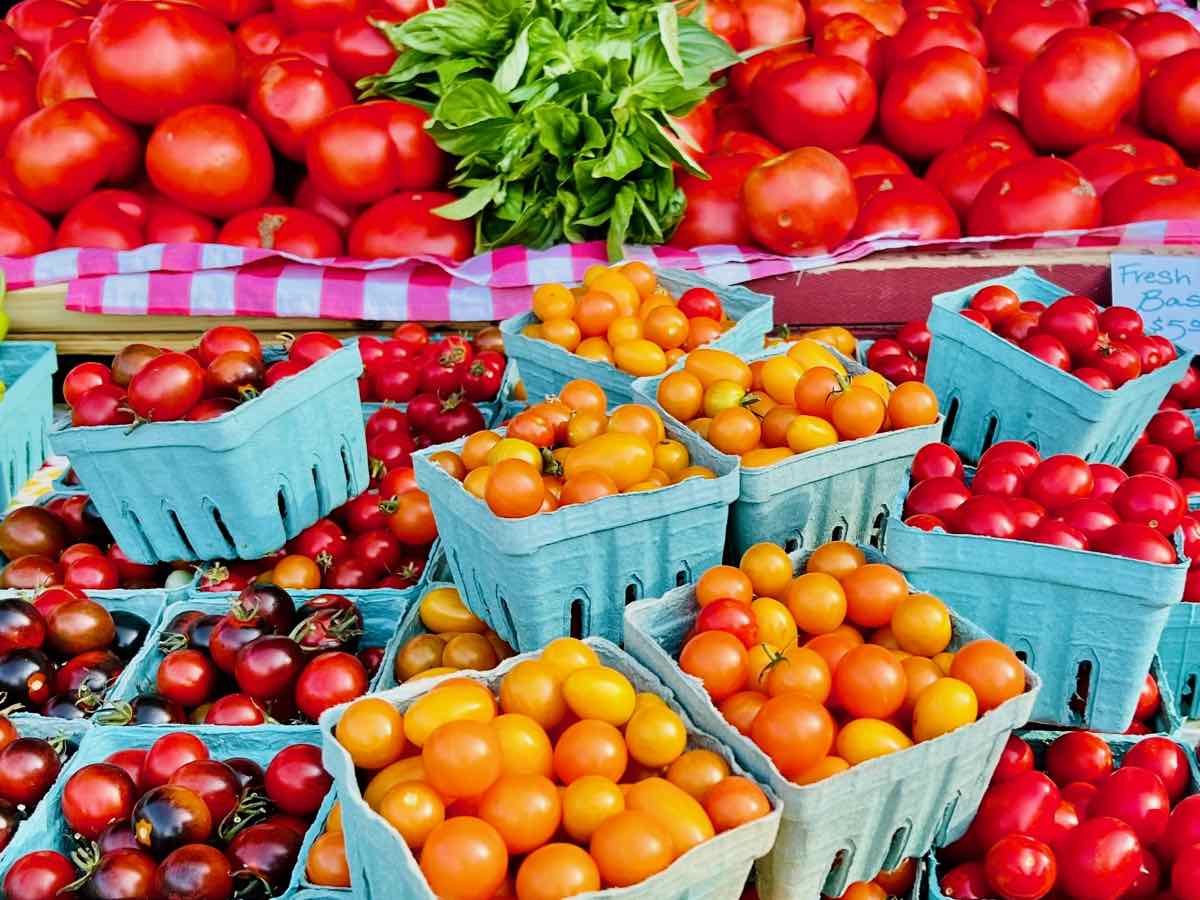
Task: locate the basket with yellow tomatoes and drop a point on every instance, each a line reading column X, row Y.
column 558, row 773
column 875, row 712
column 552, row 524
column 822, row 441
column 628, row 321
column 438, row 636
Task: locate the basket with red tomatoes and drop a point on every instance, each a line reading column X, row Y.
column 32, row 753
column 626, row 322
column 1070, row 563
column 172, row 813
column 1021, row 358
column 237, row 483
column 765, row 654
column 821, row 441
column 26, row 410
column 1079, row 815
column 262, row 655
column 553, row 538
column 566, row 771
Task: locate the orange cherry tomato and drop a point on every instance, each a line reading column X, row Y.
column 553, row 301
column 450, row 462
column 697, row 771
column 799, row 670
column 816, row 601
column 563, row 332
column 525, row 809
column 724, row 583
column 992, row 670
column 735, row 430
column 462, row 758
column 919, row 673
column 836, row 558
column 594, row 312
column 794, row 731
column 586, row 486
column 719, row 660
column 741, row 708
column 584, row 426
column 555, row 871
column 857, row 412
column 411, row 768
column 863, row 890
column 912, row 404
column 769, row 569
column 869, row 682
column 372, row 731
column 581, row 395
column 464, row 859
column 590, row 747
column 476, row 448
column 637, row 419
column 532, row 688
column 624, row 328
column 514, row 489
column 814, row 392
column 297, row 573
column 414, row 809
column 735, row 801
column 826, row 767
column 630, row 847
column 775, row 425
column 530, row 426
column 587, row 802
column 832, row 648
column 701, row 331
column 674, row 809
column 326, row 864
column 641, row 276
column 667, row 326
column 898, row 882
column 873, row 591
column 620, row 288
column 681, row 394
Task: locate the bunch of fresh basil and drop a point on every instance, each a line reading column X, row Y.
column 559, row 111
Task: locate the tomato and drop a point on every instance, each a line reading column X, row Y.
column 1078, row 756
column 192, row 869
column 211, row 159
column 147, row 60
column 1151, row 500
column 290, row 97
column 1168, row 108
column 1152, row 194
column 871, row 159
column 283, row 228
column 1015, row 758
column 215, row 782
column 1100, row 857
column 1158, row 36
column 446, row 703
column 96, row 796
column 258, row 36
column 961, row 171
column 1035, row 195
column 23, row 231
column 1136, row 541
column 58, row 155
column 794, row 731
column 731, row 616
column 1020, row 867
column 885, row 15
column 590, row 747
column 928, row 28
column 873, row 592
column 719, row 660
column 932, row 101
column 869, row 682
column 629, row 847
column 991, row 669
column 907, row 205
column 359, row 49
column 714, row 212
column 38, row 876
column 404, row 224
column 327, row 680
column 1015, row 30
column 587, row 802
column 1106, row 162
column 166, row 388
column 851, row 36
column 1078, row 62
column 1165, row 759
column 966, row 882
column 167, row 755
column 558, row 869
column 1023, row 804
column 802, row 201
column 295, row 781
column 63, row 77
column 34, row 21
column 826, row 101
column 1138, row 798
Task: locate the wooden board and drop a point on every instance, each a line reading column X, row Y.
column 873, row 294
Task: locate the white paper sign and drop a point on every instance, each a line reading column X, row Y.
column 1165, row 291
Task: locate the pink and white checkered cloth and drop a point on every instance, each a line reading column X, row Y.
column 210, row 279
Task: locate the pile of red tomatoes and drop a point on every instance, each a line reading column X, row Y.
column 172, row 821
column 942, row 119
column 411, row 364
column 149, row 384
column 263, row 658
column 1082, row 824
column 1060, row 500
column 903, row 357
column 28, row 768
column 227, row 121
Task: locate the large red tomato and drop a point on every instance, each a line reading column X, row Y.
column 885, row 15
column 171, row 223
column 714, row 213
column 234, row 11
column 724, row 19
column 1152, row 194
column 312, row 45
column 1106, row 162
column 1099, row 858
column 148, row 60
column 115, row 220
column 358, row 49
column 405, row 224
column 872, row 159
column 317, row 15
column 1004, row 87
column 931, row 28
column 290, row 97
column 63, row 77
column 212, row 159
column 1159, row 36
column 800, row 202
column 75, row 30
column 1015, row 30
column 852, row 36
column 62, row 153
column 35, row 20
column 308, row 197
column 1171, row 101
column 905, row 204
column 362, row 153
column 961, row 172
column 23, row 231
column 1043, row 194
column 18, row 98
column 283, row 228
column 771, row 22
column 823, row 101
column 1078, row 88
column 259, row 35
column 932, row 101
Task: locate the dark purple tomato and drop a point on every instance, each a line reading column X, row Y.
column 64, row 706
column 120, row 875
column 194, row 872
column 131, row 631
column 266, row 601
column 231, row 634
column 268, row 852
column 235, row 709
column 10, row 818
column 90, row 672
column 117, row 836
column 28, row 767
column 26, row 677
column 168, row 817
column 21, row 626
column 269, row 666
column 249, row 773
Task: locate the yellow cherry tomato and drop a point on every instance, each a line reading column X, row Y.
column 561, row 332
column 943, row 706
column 624, row 328
column 411, row 768
column 532, row 330
column 944, row 661
column 921, row 624
column 722, row 395
column 695, row 472
column 810, row 433
column 775, row 624
column 655, row 736
column 592, row 273
column 598, row 692
column 553, row 301
column 442, row 609
column 711, row 366
column 872, row 381
column 625, row 458
column 863, row 739
column 646, row 699
column 587, row 802
column 620, row 289
column 828, row 766
column 448, row 703
column 476, row 481
column 765, row 456
column 372, row 732
column 640, row 357
column 525, row 748
column 674, row 809
column 595, row 348
column 532, row 688
column 564, row 655
column 671, row 456
column 809, row 353
column 779, row 377
column 515, row 448
column 768, row 567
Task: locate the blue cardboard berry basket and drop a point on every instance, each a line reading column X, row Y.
column 26, row 410
column 237, row 486
column 381, row 609
column 1077, row 617
column 546, row 367
column 571, row 571
column 840, row 492
column 46, row 830
column 382, row 865
column 1179, row 653
column 992, row 390
column 932, row 868
column 869, row 818
column 490, row 409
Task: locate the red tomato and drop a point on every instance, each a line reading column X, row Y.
column 936, row 461
column 59, row 155
column 308, row 197
column 939, row 497
column 212, row 159
column 1015, row 759
column 985, row 515
column 823, row 101
column 1019, row 867
column 259, row 35
column 148, row 60
column 698, row 126
column 1152, row 194
column 929, row 28
column 872, row 159
column 850, row 35
column 907, row 205
column 1106, row 162
column 358, row 49
column 1185, row 874
column 960, row 172
column 1078, row 756
column 997, row 479
column 112, row 219
column 19, row 96
column 1015, row 30
column 1004, row 85
column 1043, row 194
column 35, row 20
column 1091, row 516
column 1138, row 798
column 1024, row 804
column 1152, row 500
column 714, row 213
column 966, row 882
column 886, row 15
column 283, row 228
column 234, row 11
column 317, row 15
column 405, row 225
column 1098, row 859
column 732, row 616
column 800, row 202
column 1158, row 36
column 1164, row 758
column 290, row 97
column 1073, row 321
column 771, row 22
column 932, row 100
column 733, row 142
column 63, row 77
column 23, row 231
column 1171, row 101
column 312, row 45
column 724, row 19
column 1078, row 88
column 1059, row 481
column 170, row 223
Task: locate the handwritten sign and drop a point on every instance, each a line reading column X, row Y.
column 1165, row 291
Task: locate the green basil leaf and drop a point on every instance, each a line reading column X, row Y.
column 472, row 203
column 465, row 26
column 703, row 53
column 622, row 158
column 618, row 223
column 512, row 67
column 558, row 129
column 471, row 102
column 668, row 33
